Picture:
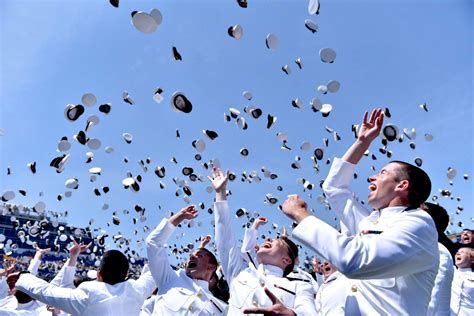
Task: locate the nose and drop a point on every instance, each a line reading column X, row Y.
column 268, row 239
column 372, row 178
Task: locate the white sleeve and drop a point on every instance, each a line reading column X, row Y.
column 405, row 248
column 228, row 250
column 65, row 277
column 304, row 300
column 72, row 301
column 157, row 254
column 3, row 287
column 342, row 201
column 250, row 240
column 34, row 266
column 441, row 294
column 145, row 285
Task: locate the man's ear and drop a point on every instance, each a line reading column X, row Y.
column 403, row 185
column 287, row 260
column 211, row 267
column 99, row 276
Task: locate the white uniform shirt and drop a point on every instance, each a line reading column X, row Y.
column 32, row 308
column 392, row 273
column 10, row 306
column 331, row 296
column 247, row 280
column 92, row 297
column 462, row 292
column 178, row 294
column 441, row 294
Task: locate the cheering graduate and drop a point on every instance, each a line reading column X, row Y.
column 110, row 295
column 331, row 296
column 185, row 291
column 462, row 290
column 391, row 254
column 258, row 287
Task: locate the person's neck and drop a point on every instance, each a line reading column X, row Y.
column 398, row 202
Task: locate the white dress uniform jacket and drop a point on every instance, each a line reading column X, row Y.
column 178, row 294
column 392, row 270
column 92, row 297
column 331, row 296
column 247, row 280
column 441, row 294
column 462, row 292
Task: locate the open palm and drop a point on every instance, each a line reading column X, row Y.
column 370, row 129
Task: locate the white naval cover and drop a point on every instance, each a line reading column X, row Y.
column 178, row 294
column 392, row 273
column 247, row 282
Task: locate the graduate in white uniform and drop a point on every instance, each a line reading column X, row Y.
column 462, row 289
column 185, row 291
column 18, row 302
column 391, row 255
column 258, row 287
column 110, row 295
column 441, row 294
column 249, row 245
column 331, row 296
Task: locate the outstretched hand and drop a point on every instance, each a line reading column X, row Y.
column 77, row 248
column 188, row 212
column 219, row 183
column 277, row 309
column 259, row 222
column 205, row 240
column 40, row 252
column 370, row 129
column 8, row 268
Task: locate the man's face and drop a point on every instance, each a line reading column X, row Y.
column 274, row 252
column 328, row 269
column 466, row 237
column 463, row 258
column 198, row 265
column 382, row 186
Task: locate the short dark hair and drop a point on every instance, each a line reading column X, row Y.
column 439, row 216
column 210, row 255
column 113, row 267
column 292, row 252
column 420, row 183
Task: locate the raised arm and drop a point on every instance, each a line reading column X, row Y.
column 36, row 261
column 72, row 301
column 8, row 267
column 157, row 252
column 369, row 130
column 65, row 276
column 227, row 247
column 145, row 284
column 408, row 237
column 250, row 236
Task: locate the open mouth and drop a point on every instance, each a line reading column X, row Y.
column 267, row 245
column 372, row 187
column 192, row 264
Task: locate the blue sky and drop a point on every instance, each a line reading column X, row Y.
column 395, row 54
